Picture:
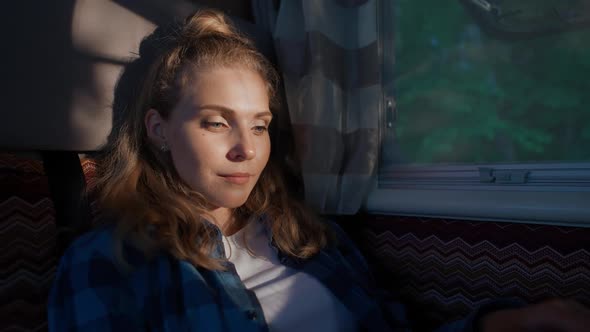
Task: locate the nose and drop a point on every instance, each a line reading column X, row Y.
column 243, row 149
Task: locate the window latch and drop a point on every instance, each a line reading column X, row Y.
column 390, row 112
column 490, row 175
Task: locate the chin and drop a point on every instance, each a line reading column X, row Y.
column 230, row 201
column 234, row 204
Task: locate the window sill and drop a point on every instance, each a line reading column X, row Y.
column 532, row 207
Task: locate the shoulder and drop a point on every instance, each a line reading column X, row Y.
column 343, row 241
column 347, row 248
column 93, row 242
column 89, row 262
column 89, row 290
column 97, row 255
column 92, row 247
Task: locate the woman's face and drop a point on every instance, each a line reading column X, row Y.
column 218, row 134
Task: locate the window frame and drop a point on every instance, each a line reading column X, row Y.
column 552, row 193
column 546, row 208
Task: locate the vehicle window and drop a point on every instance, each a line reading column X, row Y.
column 491, row 81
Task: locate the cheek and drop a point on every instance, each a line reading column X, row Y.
column 194, row 154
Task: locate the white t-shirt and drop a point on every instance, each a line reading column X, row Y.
column 291, row 300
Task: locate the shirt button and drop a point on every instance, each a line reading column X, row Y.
column 251, row 314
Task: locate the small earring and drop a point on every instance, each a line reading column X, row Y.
column 164, row 147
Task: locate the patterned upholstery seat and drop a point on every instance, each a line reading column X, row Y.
column 27, row 244
column 89, row 168
column 446, row 268
column 28, row 241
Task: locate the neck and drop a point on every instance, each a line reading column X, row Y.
column 224, row 219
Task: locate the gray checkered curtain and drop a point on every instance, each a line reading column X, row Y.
column 327, row 52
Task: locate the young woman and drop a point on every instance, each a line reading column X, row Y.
column 205, row 236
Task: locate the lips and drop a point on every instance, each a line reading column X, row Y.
column 236, row 178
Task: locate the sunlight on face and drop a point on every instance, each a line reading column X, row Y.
column 218, row 134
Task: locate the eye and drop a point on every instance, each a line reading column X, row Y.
column 214, row 125
column 259, row 130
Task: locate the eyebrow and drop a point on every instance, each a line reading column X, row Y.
column 229, row 112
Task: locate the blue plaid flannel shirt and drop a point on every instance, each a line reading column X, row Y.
column 165, row 294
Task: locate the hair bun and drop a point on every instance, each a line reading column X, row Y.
column 207, row 23
column 202, row 24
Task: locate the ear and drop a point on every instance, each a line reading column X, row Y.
column 155, row 126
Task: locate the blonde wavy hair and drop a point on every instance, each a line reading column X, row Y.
column 137, row 182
